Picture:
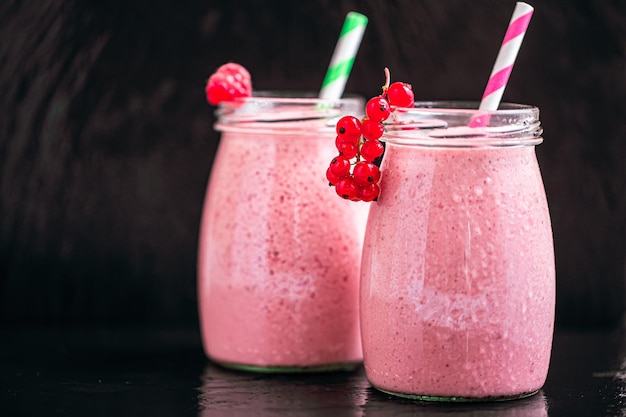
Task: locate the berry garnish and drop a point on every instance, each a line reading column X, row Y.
column 372, row 130
column 331, row 177
column 371, row 150
column 378, row 109
column 349, row 150
column 229, row 82
column 400, row 94
column 365, row 173
column 349, row 128
column 340, row 166
column 369, row 192
column 346, row 188
column 355, row 172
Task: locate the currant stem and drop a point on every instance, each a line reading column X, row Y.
column 360, row 144
column 387, row 79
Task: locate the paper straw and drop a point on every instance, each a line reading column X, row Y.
column 506, row 56
column 343, row 57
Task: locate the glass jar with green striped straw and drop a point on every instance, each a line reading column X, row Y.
column 279, row 254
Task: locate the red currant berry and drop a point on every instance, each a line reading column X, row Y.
column 227, row 83
column 341, row 140
column 377, row 109
column 371, row 150
column 365, row 173
column 372, row 130
column 340, row 166
column 331, row 177
column 369, row 192
column 349, row 150
column 349, row 128
column 346, row 188
column 400, row 94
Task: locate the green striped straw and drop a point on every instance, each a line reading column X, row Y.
column 343, row 57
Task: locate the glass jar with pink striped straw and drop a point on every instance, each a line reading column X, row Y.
column 457, row 275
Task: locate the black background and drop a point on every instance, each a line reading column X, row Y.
column 106, row 139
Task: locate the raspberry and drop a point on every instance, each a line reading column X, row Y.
column 400, row 94
column 227, row 83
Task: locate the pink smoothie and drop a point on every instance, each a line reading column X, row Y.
column 279, row 256
column 458, row 272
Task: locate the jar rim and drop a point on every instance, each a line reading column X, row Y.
column 291, row 95
column 468, row 105
column 462, row 124
column 285, row 112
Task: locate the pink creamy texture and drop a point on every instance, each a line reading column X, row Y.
column 458, row 288
column 279, row 255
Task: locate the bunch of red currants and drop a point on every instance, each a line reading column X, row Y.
column 355, row 172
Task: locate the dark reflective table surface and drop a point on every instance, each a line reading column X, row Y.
column 157, row 372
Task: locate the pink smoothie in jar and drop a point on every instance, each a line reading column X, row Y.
column 458, row 279
column 279, row 253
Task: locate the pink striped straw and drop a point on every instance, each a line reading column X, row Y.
column 506, row 56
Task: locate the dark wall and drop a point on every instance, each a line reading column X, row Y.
column 106, row 140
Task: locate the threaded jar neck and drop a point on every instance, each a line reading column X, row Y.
column 453, row 124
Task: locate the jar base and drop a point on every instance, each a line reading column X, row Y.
column 457, row 399
column 333, row 367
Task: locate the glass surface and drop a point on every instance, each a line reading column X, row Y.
column 279, row 252
column 458, row 280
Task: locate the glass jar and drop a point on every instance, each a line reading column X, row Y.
column 458, row 276
column 279, row 252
